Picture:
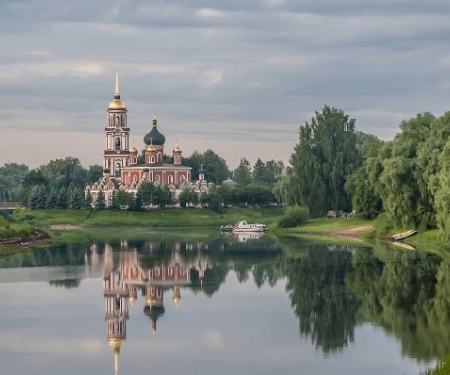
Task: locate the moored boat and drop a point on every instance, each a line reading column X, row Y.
column 226, row 228
column 243, row 227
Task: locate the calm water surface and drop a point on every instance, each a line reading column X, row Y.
column 168, row 304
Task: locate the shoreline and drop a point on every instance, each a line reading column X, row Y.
column 39, row 235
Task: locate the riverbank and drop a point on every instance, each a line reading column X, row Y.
column 336, row 230
column 153, row 218
column 25, row 240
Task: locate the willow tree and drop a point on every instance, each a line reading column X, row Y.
column 404, row 182
column 323, row 158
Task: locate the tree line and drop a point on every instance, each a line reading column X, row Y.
column 336, row 167
column 61, row 184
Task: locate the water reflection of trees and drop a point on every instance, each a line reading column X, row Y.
column 326, row 310
column 332, row 289
column 406, row 293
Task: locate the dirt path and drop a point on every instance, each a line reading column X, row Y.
column 352, row 232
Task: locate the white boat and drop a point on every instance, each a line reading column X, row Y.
column 243, row 227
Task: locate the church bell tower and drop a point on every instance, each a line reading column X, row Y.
column 117, row 133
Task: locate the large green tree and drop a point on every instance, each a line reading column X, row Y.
column 324, row 157
column 213, row 166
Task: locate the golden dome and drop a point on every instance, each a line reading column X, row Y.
column 117, row 103
column 133, row 150
column 150, row 148
column 177, row 150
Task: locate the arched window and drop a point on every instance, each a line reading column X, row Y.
column 152, row 159
column 159, row 157
column 117, row 143
column 157, row 179
column 170, row 180
column 117, row 171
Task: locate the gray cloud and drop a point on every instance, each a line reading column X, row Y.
column 218, row 71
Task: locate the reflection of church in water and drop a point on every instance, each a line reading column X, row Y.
column 123, row 276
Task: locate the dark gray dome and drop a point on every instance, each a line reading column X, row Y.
column 154, row 137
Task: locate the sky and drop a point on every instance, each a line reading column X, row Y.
column 235, row 76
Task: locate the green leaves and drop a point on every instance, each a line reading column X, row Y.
column 324, row 157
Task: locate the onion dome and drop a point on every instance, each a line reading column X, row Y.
column 117, row 103
column 133, row 150
column 229, row 182
column 177, row 150
column 150, row 148
column 154, row 137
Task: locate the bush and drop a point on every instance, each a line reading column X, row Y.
column 294, row 217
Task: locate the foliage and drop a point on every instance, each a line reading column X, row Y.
column 294, row 217
column 323, row 158
column 123, row 198
column 188, row 197
column 213, row 166
column 242, row 174
column 11, row 176
column 442, row 368
column 100, row 203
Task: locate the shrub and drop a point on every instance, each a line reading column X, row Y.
column 294, row 217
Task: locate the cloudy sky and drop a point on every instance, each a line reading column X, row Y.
column 236, row 76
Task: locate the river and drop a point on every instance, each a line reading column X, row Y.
column 182, row 302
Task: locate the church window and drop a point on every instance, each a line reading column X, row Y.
column 157, row 179
column 170, row 180
column 159, row 157
column 117, row 143
column 152, row 159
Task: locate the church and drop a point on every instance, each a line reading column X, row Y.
column 123, row 169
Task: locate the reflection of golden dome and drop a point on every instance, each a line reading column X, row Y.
column 133, row 150
column 115, row 343
column 177, row 150
column 176, row 300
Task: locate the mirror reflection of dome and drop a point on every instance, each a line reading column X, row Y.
column 154, row 312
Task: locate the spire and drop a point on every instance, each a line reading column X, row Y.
column 116, row 92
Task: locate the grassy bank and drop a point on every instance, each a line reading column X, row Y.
column 154, row 218
column 9, row 228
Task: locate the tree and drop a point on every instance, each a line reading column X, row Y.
column 363, row 185
column 162, row 196
column 76, row 199
column 100, row 202
column 214, row 167
column 323, row 158
column 147, row 190
column 88, row 200
column 52, row 199
column 243, row 174
column 11, row 176
column 123, row 199
column 187, row 196
column 403, row 185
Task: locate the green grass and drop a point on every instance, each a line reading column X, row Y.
column 155, row 218
column 327, row 226
column 10, row 229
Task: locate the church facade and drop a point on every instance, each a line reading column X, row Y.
column 121, row 169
